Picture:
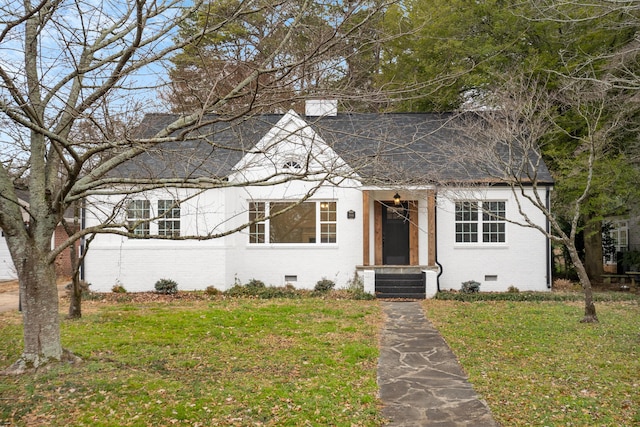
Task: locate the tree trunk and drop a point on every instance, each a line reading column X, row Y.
column 75, row 296
column 39, row 298
column 593, row 250
column 589, row 307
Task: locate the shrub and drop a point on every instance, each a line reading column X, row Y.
column 513, row 290
column 324, row 285
column 278, row 292
column 360, row 295
column 631, row 260
column 564, row 285
column 166, row 286
column 212, row 291
column 470, row 287
column 355, row 284
column 118, row 289
column 534, row 296
column 84, row 288
column 355, row 288
column 264, row 292
column 238, row 291
column 255, row 284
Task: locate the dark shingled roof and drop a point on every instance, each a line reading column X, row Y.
column 402, row 148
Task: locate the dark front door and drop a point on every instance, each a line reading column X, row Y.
column 395, row 234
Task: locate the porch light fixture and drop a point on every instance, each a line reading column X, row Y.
column 396, row 199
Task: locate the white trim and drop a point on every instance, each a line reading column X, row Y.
column 318, row 225
column 480, row 211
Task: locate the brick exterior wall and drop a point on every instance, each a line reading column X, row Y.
column 63, row 261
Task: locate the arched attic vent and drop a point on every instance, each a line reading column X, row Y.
column 291, row 164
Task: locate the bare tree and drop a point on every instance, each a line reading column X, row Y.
column 620, row 68
column 70, row 62
column 525, row 119
column 77, row 254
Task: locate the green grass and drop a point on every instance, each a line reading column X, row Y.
column 536, row 365
column 312, row 361
column 231, row 362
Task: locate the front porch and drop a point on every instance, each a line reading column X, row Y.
column 399, row 245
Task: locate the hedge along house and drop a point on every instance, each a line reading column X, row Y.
column 295, row 199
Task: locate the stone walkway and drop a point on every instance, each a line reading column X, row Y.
column 421, row 382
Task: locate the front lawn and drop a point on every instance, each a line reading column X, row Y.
column 230, row 362
column 536, row 365
column 312, row 361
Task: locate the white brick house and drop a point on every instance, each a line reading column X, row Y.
column 379, row 198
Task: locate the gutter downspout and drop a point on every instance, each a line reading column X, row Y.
column 435, row 221
column 548, row 230
column 82, row 240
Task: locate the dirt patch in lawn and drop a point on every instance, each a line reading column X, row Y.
column 13, row 285
column 8, row 286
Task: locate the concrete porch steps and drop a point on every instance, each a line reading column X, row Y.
column 409, row 286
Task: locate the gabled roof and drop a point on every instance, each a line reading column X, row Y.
column 292, row 147
column 390, row 148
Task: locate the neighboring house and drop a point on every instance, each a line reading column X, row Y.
column 7, row 269
column 625, row 235
column 63, row 261
column 389, row 207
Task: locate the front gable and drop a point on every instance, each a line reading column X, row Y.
column 291, row 149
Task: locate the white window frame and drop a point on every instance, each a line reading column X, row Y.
column 493, row 221
column 168, row 218
column 138, row 214
column 165, row 221
column 326, row 223
column 466, row 221
column 475, row 222
column 258, row 225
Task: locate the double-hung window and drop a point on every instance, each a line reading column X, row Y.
column 466, row 222
column 306, row 222
column 138, row 214
column 480, row 222
column 168, row 218
column 328, row 226
column 257, row 214
column 493, row 222
column 141, row 219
